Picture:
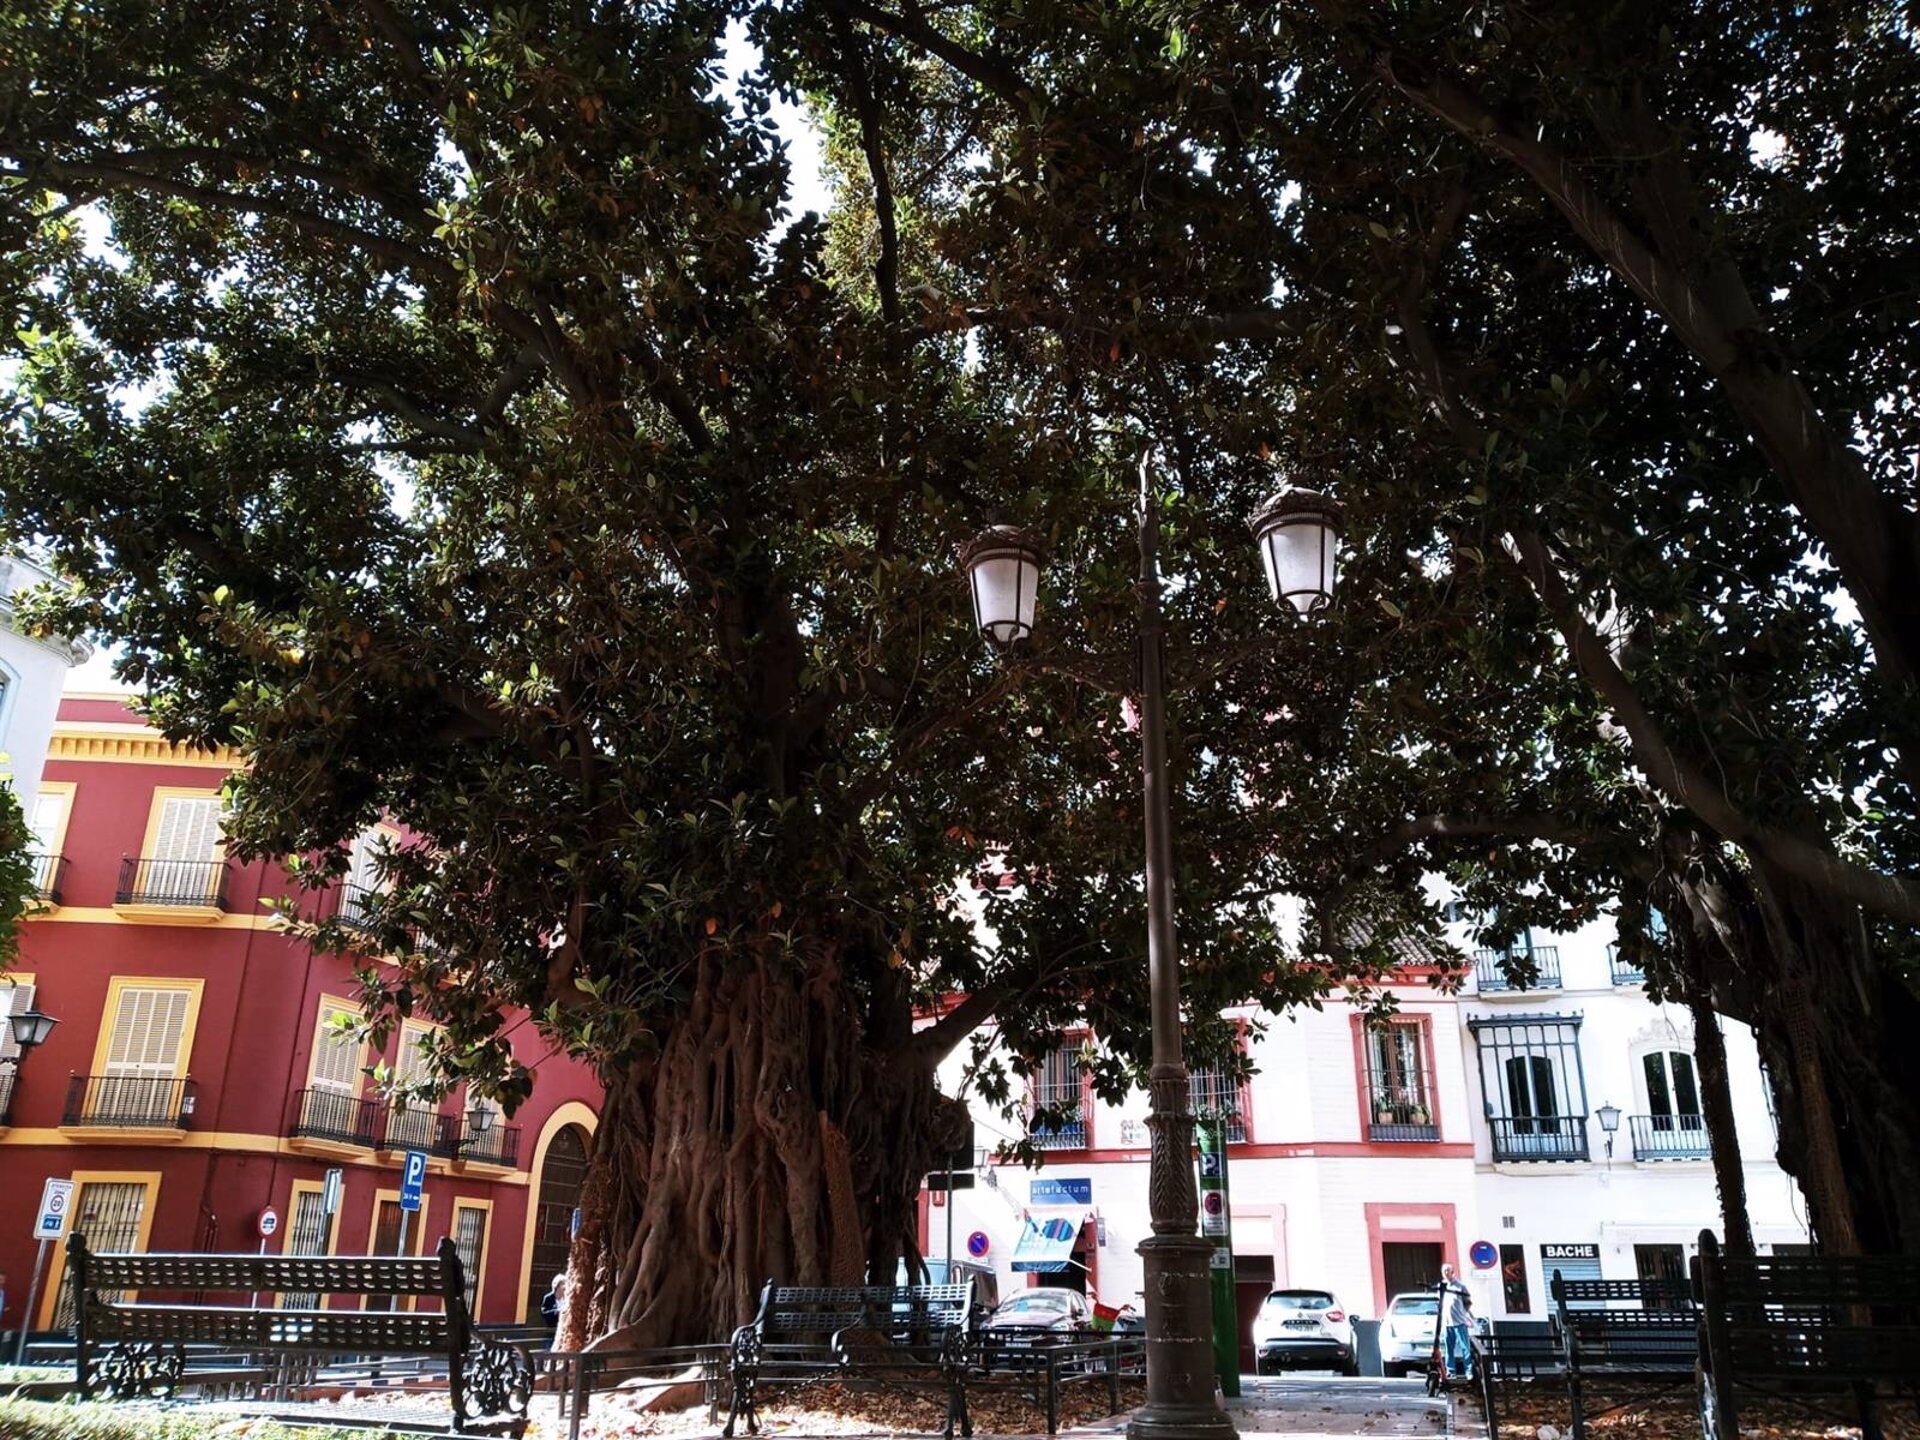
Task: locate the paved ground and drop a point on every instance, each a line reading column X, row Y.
column 1310, row 1406
column 1307, row 1405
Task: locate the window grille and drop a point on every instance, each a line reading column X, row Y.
column 469, row 1233
column 307, row 1235
column 1211, row 1091
column 1055, row 1087
column 108, row 1213
column 1534, row 1086
column 1399, row 1090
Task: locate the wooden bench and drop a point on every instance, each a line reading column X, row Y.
column 138, row 1348
column 802, row 1334
column 1513, row 1351
column 1608, row 1332
column 1802, row 1327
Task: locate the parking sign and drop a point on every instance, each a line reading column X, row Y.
column 412, row 1177
column 56, row 1203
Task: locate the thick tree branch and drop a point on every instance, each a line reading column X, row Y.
column 886, row 269
column 935, row 1042
column 990, row 72
column 1897, row 897
column 1873, row 539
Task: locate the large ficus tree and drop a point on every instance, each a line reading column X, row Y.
column 1605, row 320
column 441, row 406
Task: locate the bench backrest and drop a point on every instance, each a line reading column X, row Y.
column 1608, row 1295
column 96, row 1278
column 789, row 1310
column 263, row 1274
column 1846, row 1316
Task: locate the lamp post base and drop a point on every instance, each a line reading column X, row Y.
column 1180, row 1390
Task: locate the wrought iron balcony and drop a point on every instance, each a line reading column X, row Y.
column 46, row 877
column 7, row 1073
column 358, row 905
column 333, row 1115
column 129, row 1102
column 416, row 1128
column 499, row 1145
column 1542, row 960
column 1070, row 1136
column 1624, row 971
column 1539, row 1137
column 1669, row 1137
column 187, row 884
column 1392, row 1121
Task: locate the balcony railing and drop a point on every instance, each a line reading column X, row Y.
column 1539, row 1137
column 147, row 880
column 332, row 1115
column 358, row 905
column 46, row 877
column 1624, row 971
column 1669, row 1137
column 1544, row 960
column 1070, row 1136
column 1394, row 1121
column 415, row 1128
column 129, row 1102
column 497, row 1146
column 6, row 1095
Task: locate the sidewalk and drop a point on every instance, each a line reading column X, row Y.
column 1311, row 1407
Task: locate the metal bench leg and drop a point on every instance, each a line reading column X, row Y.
column 1575, row 1401
column 1867, row 1398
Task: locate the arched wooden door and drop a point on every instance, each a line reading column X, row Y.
column 561, row 1175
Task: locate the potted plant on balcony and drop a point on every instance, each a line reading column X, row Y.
column 1418, row 1116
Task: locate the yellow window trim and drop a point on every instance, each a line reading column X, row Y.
column 574, row 1112
column 486, row 1240
column 119, row 984
column 16, row 977
column 57, row 1271
column 416, row 1234
column 66, row 788
column 310, row 1187
column 327, row 1004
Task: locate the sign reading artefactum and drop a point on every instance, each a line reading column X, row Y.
column 1570, row 1252
column 1070, row 1190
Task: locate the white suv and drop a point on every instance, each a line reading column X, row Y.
column 1303, row 1330
column 1406, row 1332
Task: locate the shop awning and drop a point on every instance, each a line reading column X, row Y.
column 1046, row 1245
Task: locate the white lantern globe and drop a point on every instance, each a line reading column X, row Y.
column 1298, row 532
column 30, row 1027
column 1003, row 569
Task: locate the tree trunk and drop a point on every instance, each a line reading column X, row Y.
column 1723, row 1136
column 780, row 1132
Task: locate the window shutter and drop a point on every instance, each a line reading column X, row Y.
column 410, row 1064
column 362, row 863
column 470, row 1228
column 14, row 998
column 336, row 1058
column 189, row 828
column 147, row 1029
column 49, row 810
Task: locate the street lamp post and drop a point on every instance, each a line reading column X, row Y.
column 1297, row 532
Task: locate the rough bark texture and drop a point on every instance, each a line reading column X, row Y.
column 1835, row 1025
column 1716, row 1104
column 781, row 1132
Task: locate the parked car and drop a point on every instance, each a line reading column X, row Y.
column 1045, row 1307
column 1406, row 1332
column 1303, row 1330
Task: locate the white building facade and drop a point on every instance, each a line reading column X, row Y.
column 1467, row 1131
column 33, row 672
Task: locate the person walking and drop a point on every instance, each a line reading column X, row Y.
column 554, row 1300
column 1456, row 1310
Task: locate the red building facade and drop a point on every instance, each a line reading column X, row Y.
column 195, row 1077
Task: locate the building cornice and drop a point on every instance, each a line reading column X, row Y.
column 104, row 742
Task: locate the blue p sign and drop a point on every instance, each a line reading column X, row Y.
column 413, row 1176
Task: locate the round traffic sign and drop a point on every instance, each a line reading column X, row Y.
column 268, row 1222
column 1483, row 1255
column 1213, row 1202
column 978, row 1244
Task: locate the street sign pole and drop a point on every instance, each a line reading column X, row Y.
column 1216, row 1225
column 947, row 1279
column 33, row 1294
